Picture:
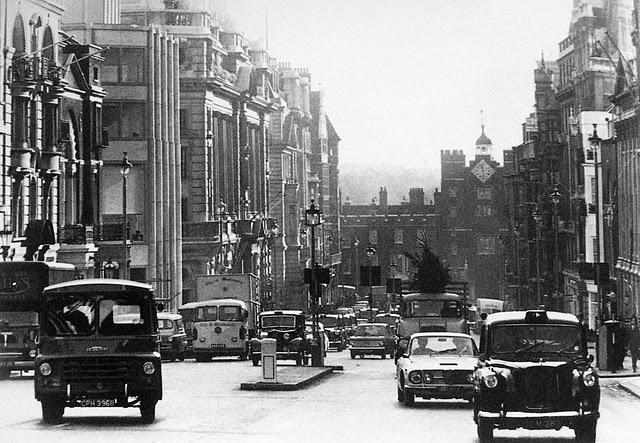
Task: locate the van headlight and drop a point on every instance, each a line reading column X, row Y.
column 589, row 379
column 45, row 369
column 33, row 353
column 490, row 381
column 149, row 368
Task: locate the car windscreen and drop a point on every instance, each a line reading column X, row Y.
column 370, row 330
column 81, row 314
column 443, row 345
column 206, row 313
column 433, row 308
column 278, row 321
column 538, row 338
column 165, row 324
column 230, row 313
column 329, row 322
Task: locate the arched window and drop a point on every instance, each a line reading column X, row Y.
column 19, row 42
column 47, row 45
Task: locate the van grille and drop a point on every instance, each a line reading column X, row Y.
column 88, row 369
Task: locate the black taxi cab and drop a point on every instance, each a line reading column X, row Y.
column 287, row 327
column 534, row 372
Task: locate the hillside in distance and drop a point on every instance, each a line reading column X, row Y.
column 360, row 183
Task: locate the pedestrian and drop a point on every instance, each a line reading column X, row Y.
column 634, row 343
column 482, row 322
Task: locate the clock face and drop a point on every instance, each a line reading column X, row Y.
column 483, row 171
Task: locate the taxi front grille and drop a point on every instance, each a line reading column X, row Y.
column 98, row 369
column 541, row 388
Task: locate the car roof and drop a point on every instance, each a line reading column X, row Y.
column 387, row 314
column 374, row 324
column 226, row 301
column 521, row 317
column 431, row 296
column 169, row 316
column 283, row 312
column 440, row 334
column 101, row 284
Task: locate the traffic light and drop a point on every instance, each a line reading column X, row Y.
column 369, row 271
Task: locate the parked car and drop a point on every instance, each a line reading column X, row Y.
column 334, row 326
column 288, row 328
column 534, row 372
column 350, row 324
column 388, row 318
column 373, row 339
column 173, row 338
column 436, row 365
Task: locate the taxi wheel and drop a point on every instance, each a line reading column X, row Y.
column 485, row 431
column 586, row 433
column 384, row 355
column 52, row 410
column 182, row 355
column 148, row 410
column 305, row 360
column 298, row 360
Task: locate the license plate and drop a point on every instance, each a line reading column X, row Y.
column 97, row 402
column 546, row 423
column 219, row 345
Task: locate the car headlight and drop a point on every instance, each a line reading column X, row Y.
column 33, row 353
column 148, row 368
column 380, row 343
column 589, row 379
column 427, row 377
column 286, row 336
column 202, row 339
column 45, row 369
column 415, row 377
column 490, row 381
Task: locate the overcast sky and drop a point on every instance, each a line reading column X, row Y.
column 404, row 79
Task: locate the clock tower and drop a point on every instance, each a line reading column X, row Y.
column 483, row 144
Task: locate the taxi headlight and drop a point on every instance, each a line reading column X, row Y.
column 470, row 377
column 264, row 334
column 33, row 353
column 286, row 336
column 148, row 368
column 415, row 377
column 45, row 369
column 589, row 379
column 490, row 381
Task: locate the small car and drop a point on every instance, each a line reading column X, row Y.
column 436, row 365
column 334, row 326
column 534, row 372
column 287, row 327
column 388, row 318
column 173, row 338
column 373, row 339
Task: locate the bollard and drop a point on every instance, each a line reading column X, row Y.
column 268, row 350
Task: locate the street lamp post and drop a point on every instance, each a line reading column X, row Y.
column 126, row 166
column 555, row 199
column 371, row 251
column 537, row 217
column 595, row 143
column 313, row 218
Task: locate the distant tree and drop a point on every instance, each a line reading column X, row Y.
column 429, row 274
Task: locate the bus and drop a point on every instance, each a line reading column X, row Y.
column 489, row 305
column 423, row 312
column 220, row 328
column 99, row 347
column 21, row 285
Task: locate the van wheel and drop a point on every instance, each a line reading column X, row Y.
column 255, row 360
column 148, row 410
column 52, row 410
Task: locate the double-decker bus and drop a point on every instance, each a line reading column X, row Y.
column 21, row 286
column 220, row 328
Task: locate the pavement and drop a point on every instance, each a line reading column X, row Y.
column 289, row 378
column 628, row 380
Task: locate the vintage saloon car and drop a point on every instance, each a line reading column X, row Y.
column 173, row 338
column 334, row 326
column 436, row 365
column 534, row 373
column 372, row 339
column 287, row 327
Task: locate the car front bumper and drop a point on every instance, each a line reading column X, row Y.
column 441, row 391
column 368, row 350
column 537, row 420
